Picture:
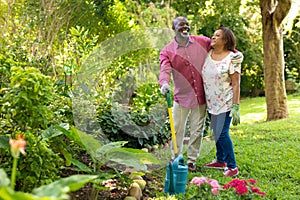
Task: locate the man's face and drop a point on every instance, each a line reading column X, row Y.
column 182, row 28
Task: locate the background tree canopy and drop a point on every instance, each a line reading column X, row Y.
column 41, row 32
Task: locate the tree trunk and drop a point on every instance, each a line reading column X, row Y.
column 273, row 12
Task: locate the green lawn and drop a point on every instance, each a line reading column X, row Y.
column 265, row 151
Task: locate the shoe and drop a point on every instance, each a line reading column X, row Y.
column 191, row 167
column 215, row 165
column 229, row 172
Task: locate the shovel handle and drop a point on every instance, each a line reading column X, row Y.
column 168, row 98
column 171, row 122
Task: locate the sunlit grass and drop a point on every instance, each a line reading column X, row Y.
column 265, row 151
column 254, row 110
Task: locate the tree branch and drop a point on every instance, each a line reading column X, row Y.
column 282, row 10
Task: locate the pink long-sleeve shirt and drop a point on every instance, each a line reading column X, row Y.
column 185, row 65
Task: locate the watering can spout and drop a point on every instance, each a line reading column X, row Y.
column 176, row 176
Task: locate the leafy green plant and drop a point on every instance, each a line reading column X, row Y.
column 113, row 151
column 40, row 167
column 102, row 155
column 25, row 100
column 138, row 128
column 24, row 108
column 55, row 190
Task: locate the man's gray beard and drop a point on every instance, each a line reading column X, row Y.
column 184, row 35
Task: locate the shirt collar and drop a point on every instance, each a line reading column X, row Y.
column 177, row 45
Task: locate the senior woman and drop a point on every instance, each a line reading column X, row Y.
column 221, row 79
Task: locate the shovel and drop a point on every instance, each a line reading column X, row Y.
column 176, row 173
column 171, row 122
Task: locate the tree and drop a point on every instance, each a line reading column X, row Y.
column 273, row 12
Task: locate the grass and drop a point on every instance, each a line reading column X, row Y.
column 265, row 151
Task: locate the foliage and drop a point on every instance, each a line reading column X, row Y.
column 136, row 127
column 292, row 46
column 40, row 167
column 57, row 190
column 113, row 151
column 25, row 101
column 6, row 61
column 78, row 43
column 24, row 108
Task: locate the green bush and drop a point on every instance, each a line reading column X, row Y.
column 24, row 108
column 25, row 100
column 138, row 123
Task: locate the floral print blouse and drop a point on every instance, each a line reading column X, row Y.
column 217, row 83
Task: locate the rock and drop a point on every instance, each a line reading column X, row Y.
column 141, row 183
column 130, row 198
column 135, row 191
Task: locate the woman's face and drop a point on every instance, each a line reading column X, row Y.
column 217, row 39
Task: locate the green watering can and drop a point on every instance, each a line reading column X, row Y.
column 176, row 176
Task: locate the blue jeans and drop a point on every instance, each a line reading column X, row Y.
column 220, row 125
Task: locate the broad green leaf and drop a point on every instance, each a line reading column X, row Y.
column 71, row 135
column 63, row 186
column 132, row 157
column 67, row 156
column 4, row 180
column 89, row 142
column 80, row 165
column 51, row 132
column 110, row 146
column 6, row 193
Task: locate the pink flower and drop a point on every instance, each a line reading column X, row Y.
column 17, row 146
column 203, row 180
column 199, row 180
column 215, row 191
column 214, row 183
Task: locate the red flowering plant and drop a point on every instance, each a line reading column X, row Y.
column 246, row 189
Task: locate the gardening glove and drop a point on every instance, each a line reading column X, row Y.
column 235, row 114
column 165, row 88
column 237, row 58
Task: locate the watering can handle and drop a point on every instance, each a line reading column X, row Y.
column 172, row 181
